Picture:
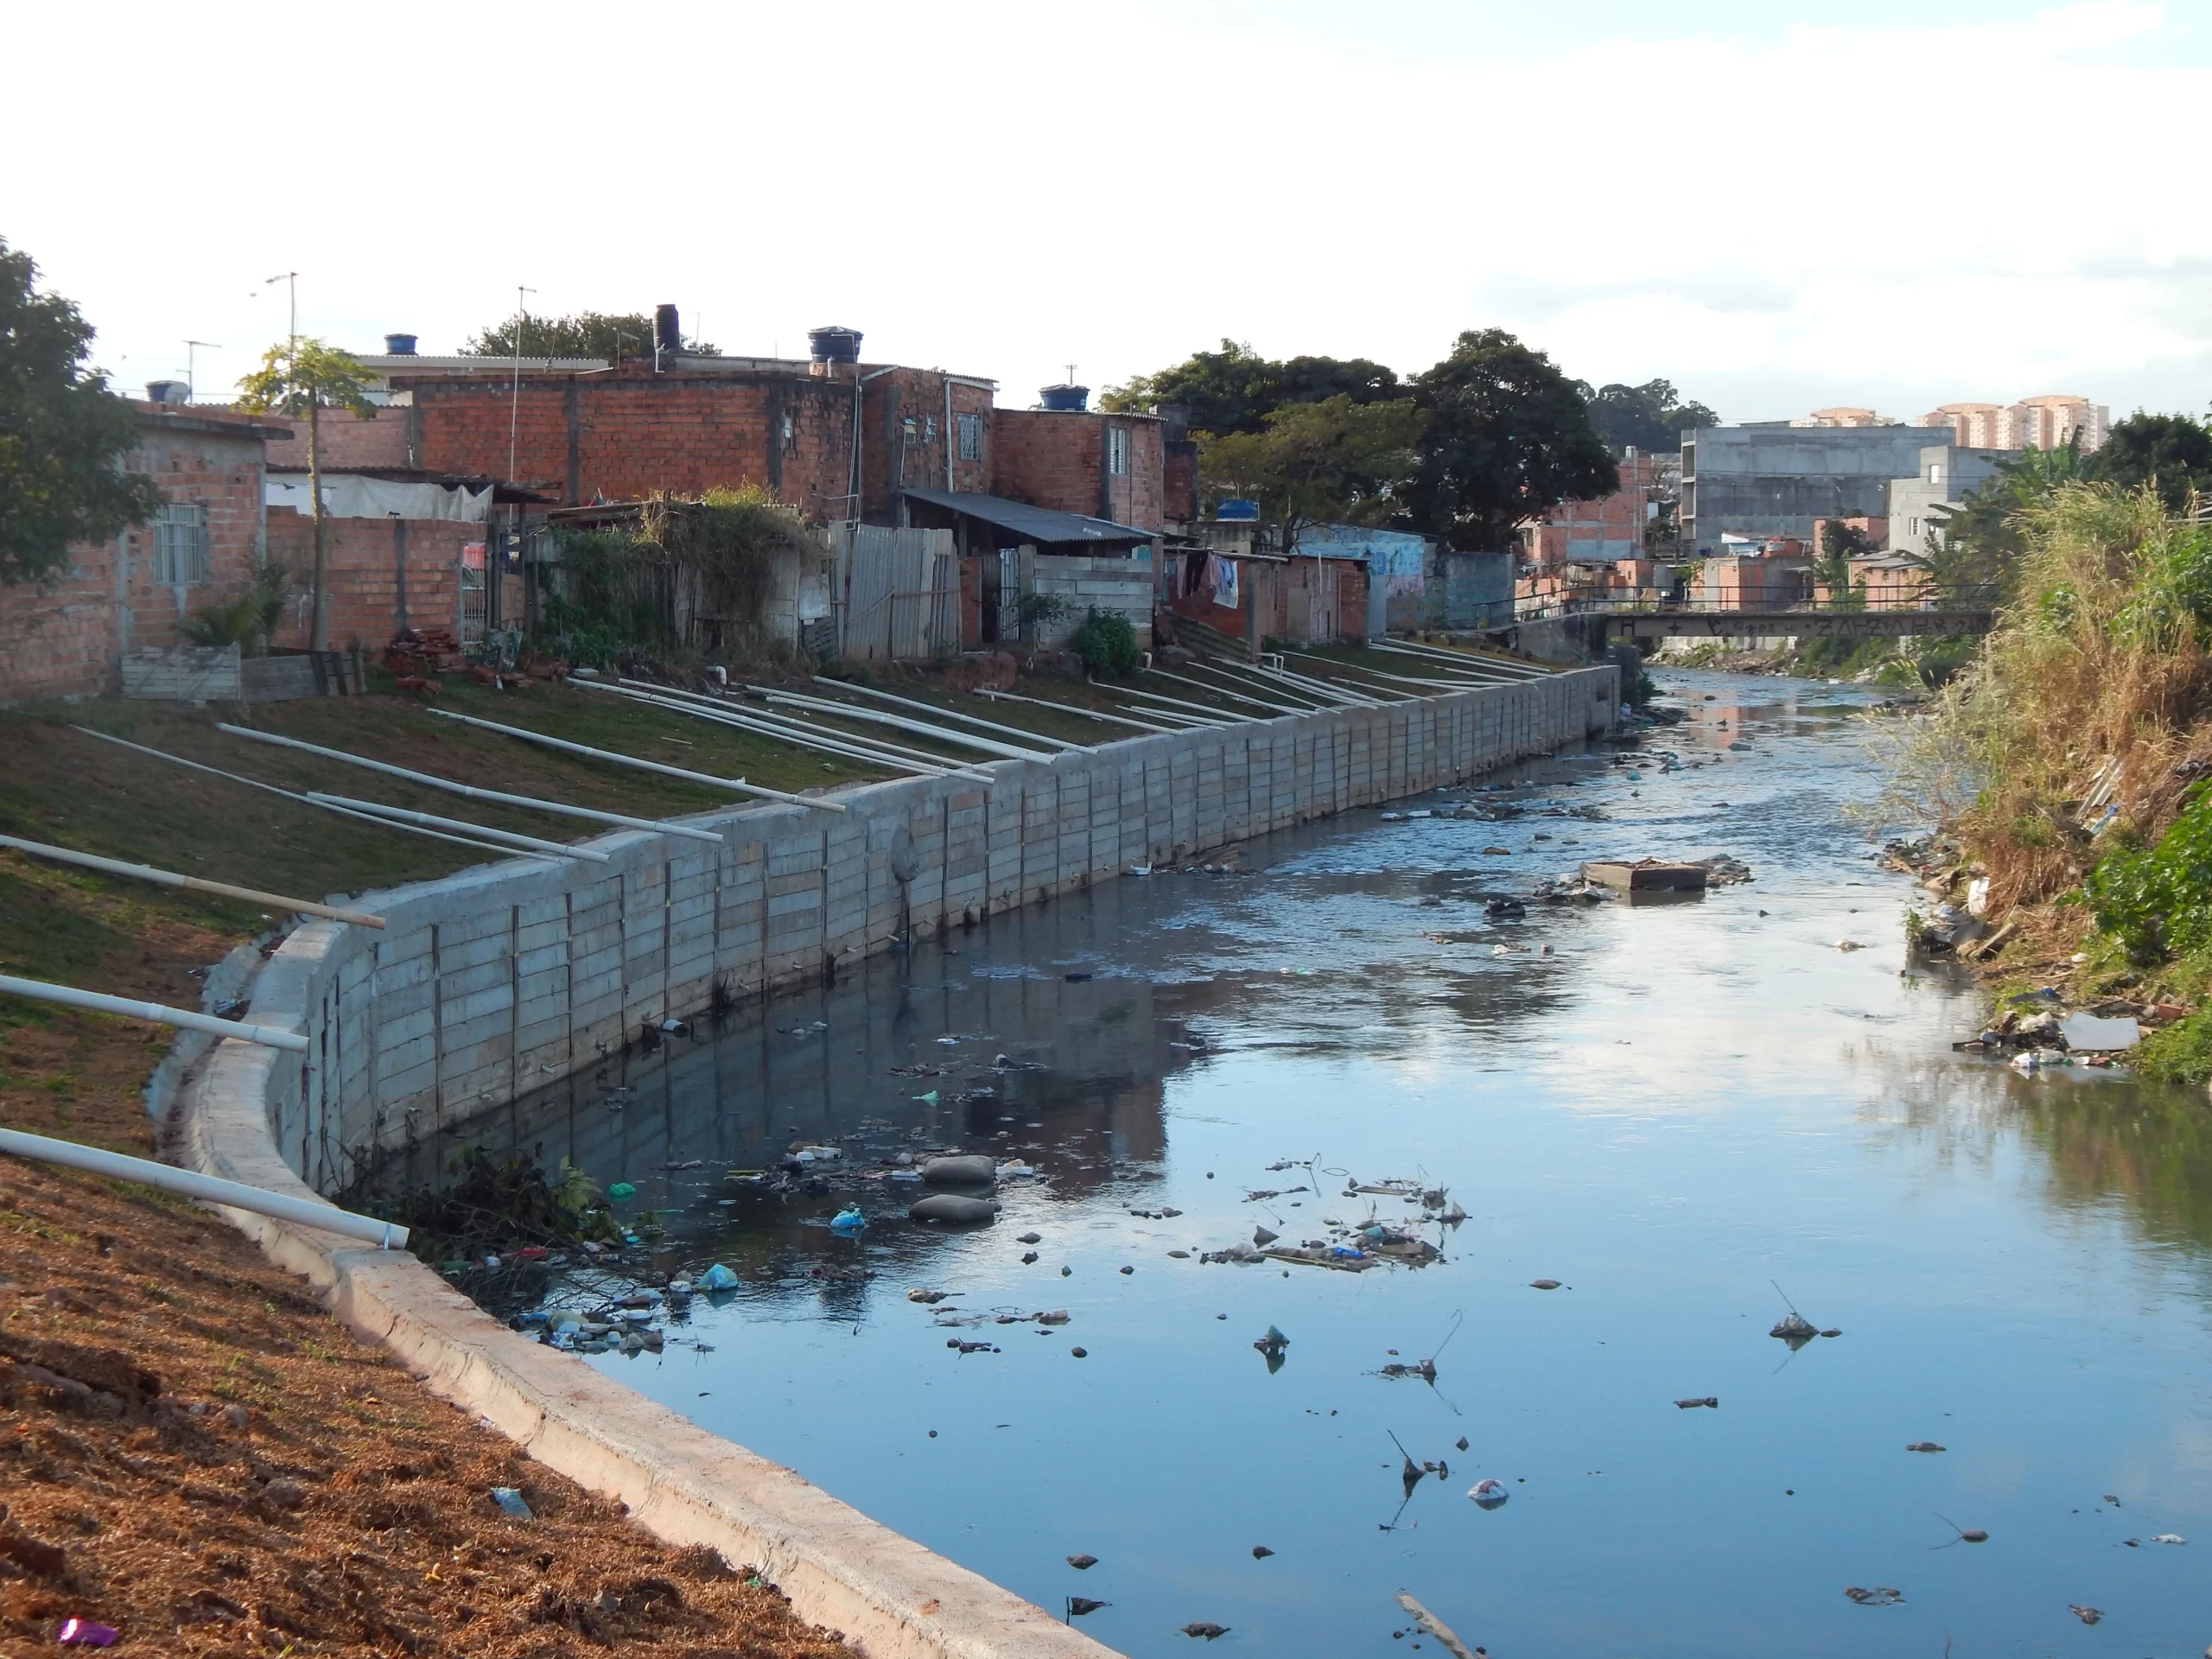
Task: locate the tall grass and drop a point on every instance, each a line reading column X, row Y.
column 2099, row 656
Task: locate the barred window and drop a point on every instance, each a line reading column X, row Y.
column 181, row 543
column 971, row 436
column 1117, row 451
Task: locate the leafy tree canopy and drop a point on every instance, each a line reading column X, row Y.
column 1235, row 389
column 303, row 375
column 1652, row 416
column 1974, row 543
column 2172, row 454
column 611, row 335
column 61, row 433
column 1506, row 436
column 1336, row 461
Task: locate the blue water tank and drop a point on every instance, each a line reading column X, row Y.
column 1077, row 398
column 399, row 344
column 1238, row 512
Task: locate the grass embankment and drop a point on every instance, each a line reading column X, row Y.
column 2067, row 759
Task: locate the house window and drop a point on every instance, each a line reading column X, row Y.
column 971, row 436
column 790, row 435
column 1935, row 472
column 181, row 543
column 1117, row 451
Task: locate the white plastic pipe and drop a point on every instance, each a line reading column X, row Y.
column 766, row 722
column 528, row 844
column 1244, row 675
column 1209, row 717
column 736, row 785
column 1257, row 702
column 170, row 878
column 289, row 795
column 161, row 1013
column 208, row 1189
column 658, row 826
column 1073, row 708
column 943, row 734
column 950, row 714
column 1357, row 669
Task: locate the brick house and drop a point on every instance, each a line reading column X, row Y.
column 65, row 639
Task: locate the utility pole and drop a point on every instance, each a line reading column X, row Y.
column 191, row 362
column 291, row 279
column 514, row 404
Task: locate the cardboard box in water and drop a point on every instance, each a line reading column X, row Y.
column 1645, row 875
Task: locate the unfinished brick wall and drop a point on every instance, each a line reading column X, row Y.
column 64, row 640
column 1057, row 459
column 372, row 563
column 623, row 434
column 345, row 439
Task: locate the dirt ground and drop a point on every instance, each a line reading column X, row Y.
column 192, row 1451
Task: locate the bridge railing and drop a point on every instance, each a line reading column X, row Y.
column 1975, row 597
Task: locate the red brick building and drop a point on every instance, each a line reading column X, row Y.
column 819, row 434
column 65, row 639
column 1103, row 465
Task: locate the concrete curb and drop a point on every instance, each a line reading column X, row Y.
column 891, row 1597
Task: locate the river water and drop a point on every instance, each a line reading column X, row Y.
column 1681, row 1107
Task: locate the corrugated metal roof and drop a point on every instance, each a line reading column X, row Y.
column 1031, row 524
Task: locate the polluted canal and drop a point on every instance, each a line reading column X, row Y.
column 1397, row 1230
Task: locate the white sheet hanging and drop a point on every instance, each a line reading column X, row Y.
column 346, row 495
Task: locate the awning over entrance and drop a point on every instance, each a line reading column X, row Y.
column 1019, row 523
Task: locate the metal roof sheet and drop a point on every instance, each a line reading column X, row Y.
column 1031, row 524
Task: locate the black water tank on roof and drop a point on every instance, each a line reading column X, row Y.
column 834, row 345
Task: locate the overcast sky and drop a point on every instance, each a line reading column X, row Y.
column 1772, row 208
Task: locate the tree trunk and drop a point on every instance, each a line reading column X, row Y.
column 318, row 623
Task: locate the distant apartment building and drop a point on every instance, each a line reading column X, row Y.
column 1766, row 480
column 1946, row 475
column 2044, row 423
column 1844, row 417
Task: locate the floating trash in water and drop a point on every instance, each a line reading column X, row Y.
column 1272, row 1346
column 1083, row 1563
column 1710, row 1399
column 1030, row 1238
column 1878, row 1597
column 927, row 1296
column 1261, row 1552
column 1545, row 1284
column 2168, row 1538
column 1489, row 1494
column 1205, row 1628
column 717, row 1277
column 2086, row 1615
column 848, row 1220
column 1925, row 1445
column 1078, row 1605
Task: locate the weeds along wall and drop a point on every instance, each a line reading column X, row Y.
column 504, row 977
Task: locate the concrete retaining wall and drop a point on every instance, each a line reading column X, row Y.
column 491, row 981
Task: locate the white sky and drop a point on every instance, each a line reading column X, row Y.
column 1775, row 209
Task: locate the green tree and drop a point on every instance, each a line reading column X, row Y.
column 303, row 377
column 1332, row 461
column 1974, row 545
column 1840, row 545
column 61, row 433
column 611, row 335
column 1652, row 416
column 1506, row 436
column 1235, row 389
column 2172, row 454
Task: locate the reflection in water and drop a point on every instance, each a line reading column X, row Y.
column 1679, row 1108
